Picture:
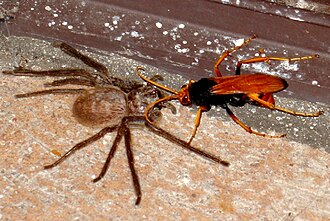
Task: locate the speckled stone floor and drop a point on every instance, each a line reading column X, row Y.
column 268, row 179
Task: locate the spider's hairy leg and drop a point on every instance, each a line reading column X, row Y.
column 103, row 71
column 75, row 76
column 51, row 91
column 82, row 144
column 123, row 130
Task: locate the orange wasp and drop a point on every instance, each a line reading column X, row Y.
column 235, row 90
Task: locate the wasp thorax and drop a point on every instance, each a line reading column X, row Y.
column 100, row 107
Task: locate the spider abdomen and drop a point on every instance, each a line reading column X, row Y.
column 100, row 107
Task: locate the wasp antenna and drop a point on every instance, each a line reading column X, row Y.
column 139, row 68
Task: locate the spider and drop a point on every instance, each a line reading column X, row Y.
column 108, row 102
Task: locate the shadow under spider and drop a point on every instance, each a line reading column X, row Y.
column 110, row 102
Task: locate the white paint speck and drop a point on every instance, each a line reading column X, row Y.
column 32, row 9
column 159, row 25
column 278, row 12
column 315, row 83
column 253, row 110
column 107, row 24
column 295, row 18
column 70, row 27
column 184, row 50
column 181, row 26
column 186, row 180
column 115, row 20
column 184, row 42
column 238, row 42
column 208, row 43
column 196, row 33
column 50, row 24
column 177, row 46
column 118, row 38
column 196, row 60
column 48, row 8
column 65, row 23
column 135, row 34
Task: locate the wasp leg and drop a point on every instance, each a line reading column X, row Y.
column 227, row 53
column 268, row 59
column 201, row 109
column 247, row 128
column 271, row 106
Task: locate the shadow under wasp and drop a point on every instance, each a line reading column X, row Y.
column 256, row 89
column 108, row 102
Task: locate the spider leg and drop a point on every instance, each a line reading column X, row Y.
column 79, row 76
column 123, row 130
column 168, row 105
column 119, row 136
column 183, row 144
column 71, row 81
column 81, row 145
column 130, row 158
column 51, row 91
column 87, row 60
column 161, row 94
column 66, row 72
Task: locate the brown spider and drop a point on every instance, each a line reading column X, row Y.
column 111, row 103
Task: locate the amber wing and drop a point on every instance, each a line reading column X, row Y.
column 248, row 84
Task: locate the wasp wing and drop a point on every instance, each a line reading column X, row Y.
column 248, row 84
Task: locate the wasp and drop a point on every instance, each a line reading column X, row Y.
column 237, row 90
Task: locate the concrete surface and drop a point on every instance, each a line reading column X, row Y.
column 268, row 179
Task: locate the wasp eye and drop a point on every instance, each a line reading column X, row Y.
column 185, row 100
